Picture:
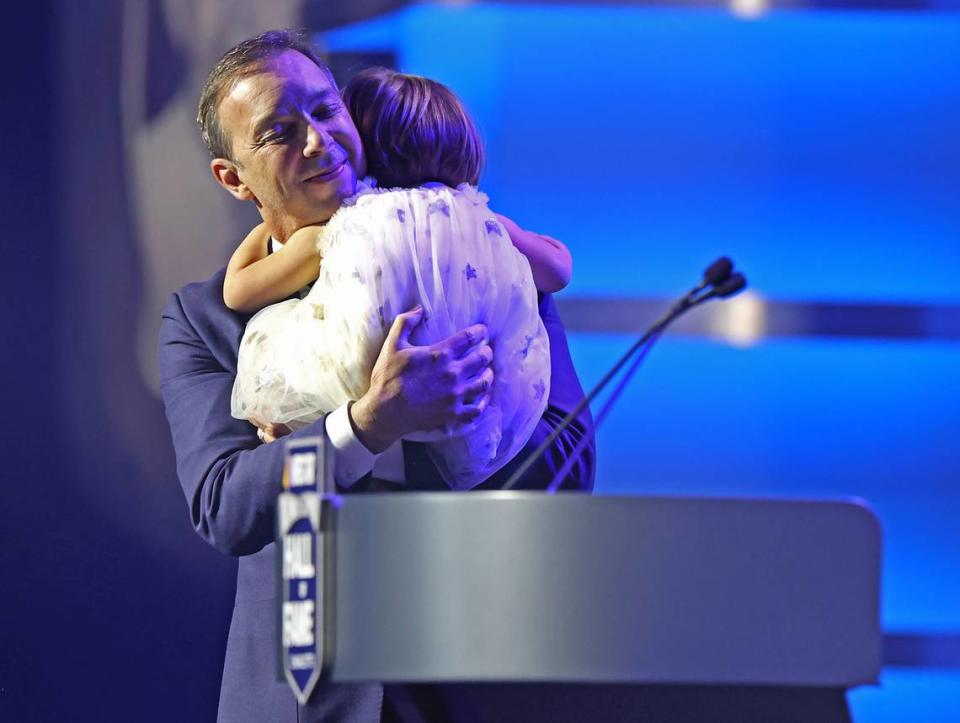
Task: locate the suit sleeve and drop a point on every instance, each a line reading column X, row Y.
column 565, row 393
column 230, row 480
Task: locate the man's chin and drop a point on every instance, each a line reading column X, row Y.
column 326, row 198
column 321, row 201
column 344, row 186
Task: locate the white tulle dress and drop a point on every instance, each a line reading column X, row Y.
column 384, row 252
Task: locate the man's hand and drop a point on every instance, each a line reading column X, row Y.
column 419, row 388
column 268, row 432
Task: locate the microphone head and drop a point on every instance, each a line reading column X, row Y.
column 718, row 272
column 733, row 285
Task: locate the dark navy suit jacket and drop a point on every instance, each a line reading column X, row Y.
column 231, row 482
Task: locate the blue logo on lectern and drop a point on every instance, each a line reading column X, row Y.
column 299, row 537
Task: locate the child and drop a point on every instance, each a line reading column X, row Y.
column 430, row 240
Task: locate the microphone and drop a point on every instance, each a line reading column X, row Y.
column 722, row 282
column 716, row 273
column 733, row 285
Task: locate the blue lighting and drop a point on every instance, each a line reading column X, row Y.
column 821, row 151
column 818, row 148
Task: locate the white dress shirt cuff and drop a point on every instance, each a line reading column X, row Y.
column 351, row 459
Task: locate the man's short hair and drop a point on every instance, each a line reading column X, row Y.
column 241, row 61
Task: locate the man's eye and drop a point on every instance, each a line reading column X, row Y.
column 325, row 111
column 277, row 133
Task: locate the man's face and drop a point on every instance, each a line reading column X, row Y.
column 296, row 151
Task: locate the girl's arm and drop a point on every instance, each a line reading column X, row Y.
column 549, row 259
column 256, row 278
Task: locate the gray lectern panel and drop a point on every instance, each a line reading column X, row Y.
column 528, row 587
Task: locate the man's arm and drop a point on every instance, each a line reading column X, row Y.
column 230, row 480
column 565, row 394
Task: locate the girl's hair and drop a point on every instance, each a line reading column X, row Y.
column 413, row 129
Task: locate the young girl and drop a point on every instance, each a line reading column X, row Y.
column 430, row 240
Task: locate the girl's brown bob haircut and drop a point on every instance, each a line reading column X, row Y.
column 413, row 130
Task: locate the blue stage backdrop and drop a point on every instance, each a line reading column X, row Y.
column 820, row 150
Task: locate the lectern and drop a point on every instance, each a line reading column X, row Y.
column 575, row 603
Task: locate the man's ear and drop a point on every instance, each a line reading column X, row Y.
column 225, row 173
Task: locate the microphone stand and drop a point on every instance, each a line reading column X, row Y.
column 723, row 283
column 607, row 406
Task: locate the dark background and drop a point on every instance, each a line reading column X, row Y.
column 96, row 622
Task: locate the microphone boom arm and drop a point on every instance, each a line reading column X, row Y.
column 723, row 283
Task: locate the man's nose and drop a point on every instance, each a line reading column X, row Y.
column 318, row 141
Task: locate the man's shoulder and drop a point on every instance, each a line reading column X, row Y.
column 196, row 314
column 200, row 295
column 200, row 304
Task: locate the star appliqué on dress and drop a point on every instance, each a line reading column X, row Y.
column 439, row 205
column 492, row 226
column 526, row 347
column 538, row 390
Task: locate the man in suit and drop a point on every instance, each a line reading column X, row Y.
column 280, row 138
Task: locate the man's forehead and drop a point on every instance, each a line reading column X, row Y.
column 279, row 85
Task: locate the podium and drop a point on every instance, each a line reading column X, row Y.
column 581, row 599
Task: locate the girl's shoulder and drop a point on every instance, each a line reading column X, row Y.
column 369, row 194
column 373, row 212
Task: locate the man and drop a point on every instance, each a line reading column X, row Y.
column 281, row 139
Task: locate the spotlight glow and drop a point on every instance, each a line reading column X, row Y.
column 741, row 321
column 749, row 9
